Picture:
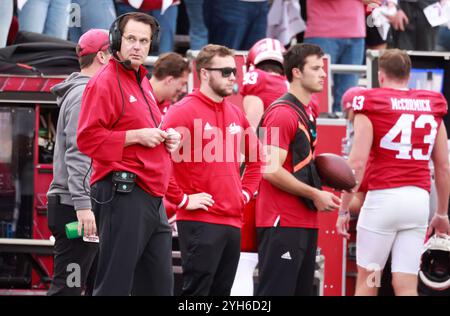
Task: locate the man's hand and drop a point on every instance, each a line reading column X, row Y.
column 200, row 201
column 86, row 221
column 399, row 20
column 150, row 137
column 326, row 201
column 342, row 225
column 373, row 3
column 440, row 225
column 172, row 140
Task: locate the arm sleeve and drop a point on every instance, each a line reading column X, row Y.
column 252, row 84
column 362, row 103
column 175, row 195
column 99, row 112
column 280, row 126
column 76, row 162
column 441, row 105
column 254, row 158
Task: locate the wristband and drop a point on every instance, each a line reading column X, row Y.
column 184, row 203
column 441, row 216
column 247, row 197
column 343, row 213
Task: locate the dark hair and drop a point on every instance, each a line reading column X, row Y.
column 271, row 66
column 170, row 64
column 296, row 56
column 139, row 17
column 207, row 53
column 87, row 60
column 395, row 63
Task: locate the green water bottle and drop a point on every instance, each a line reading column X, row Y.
column 72, row 230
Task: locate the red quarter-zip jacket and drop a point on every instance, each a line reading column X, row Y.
column 208, row 159
column 103, row 123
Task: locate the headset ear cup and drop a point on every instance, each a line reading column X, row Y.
column 155, row 36
column 115, row 37
column 113, row 47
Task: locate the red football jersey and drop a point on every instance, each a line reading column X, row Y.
column 405, row 124
column 265, row 85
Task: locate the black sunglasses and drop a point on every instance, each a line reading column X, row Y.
column 226, row 71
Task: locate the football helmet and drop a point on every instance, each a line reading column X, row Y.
column 265, row 49
column 435, row 263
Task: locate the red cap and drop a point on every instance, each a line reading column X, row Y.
column 93, row 41
column 347, row 98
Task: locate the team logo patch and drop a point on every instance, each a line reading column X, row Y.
column 208, row 127
column 286, row 256
column 234, row 129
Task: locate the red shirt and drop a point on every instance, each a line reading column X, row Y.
column 335, row 19
column 207, row 162
column 273, row 202
column 265, row 85
column 102, row 126
column 405, row 123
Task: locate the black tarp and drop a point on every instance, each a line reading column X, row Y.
column 42, row 55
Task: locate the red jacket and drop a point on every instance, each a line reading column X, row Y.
column 102, row 126
column 207, row 162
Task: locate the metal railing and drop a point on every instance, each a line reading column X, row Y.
column 348, row 69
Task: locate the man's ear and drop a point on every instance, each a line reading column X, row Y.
column 102, row 57
column 203, row 74
column 380, row 77
column 296, row 73
column 169, row 80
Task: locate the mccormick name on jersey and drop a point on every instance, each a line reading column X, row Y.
column 404, row 104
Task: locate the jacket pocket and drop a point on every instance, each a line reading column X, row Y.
column 228, row 197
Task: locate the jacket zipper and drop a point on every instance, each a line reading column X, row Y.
column 145, row 98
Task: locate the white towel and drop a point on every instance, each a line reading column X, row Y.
column 284, row 20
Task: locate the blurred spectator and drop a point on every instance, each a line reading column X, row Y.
column 374, row 40
column 410, row 28
column 284, row 20
column 237, row 24
column 444, row 38
column 50, row 17
column 6, row 9
column 339, row 28
column 167, row 19
column 88, row 14
column 198, row 32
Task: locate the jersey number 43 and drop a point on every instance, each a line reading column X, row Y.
column 404, row 126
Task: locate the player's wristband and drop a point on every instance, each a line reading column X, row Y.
column 343, row 213
column 441, row 216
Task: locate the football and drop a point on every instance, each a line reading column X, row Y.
column 335, row 172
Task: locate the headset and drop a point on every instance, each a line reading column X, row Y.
column 115, row 35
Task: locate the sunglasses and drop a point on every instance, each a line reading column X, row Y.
column 226, row 71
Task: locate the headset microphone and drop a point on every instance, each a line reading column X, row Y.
column 126, row 63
